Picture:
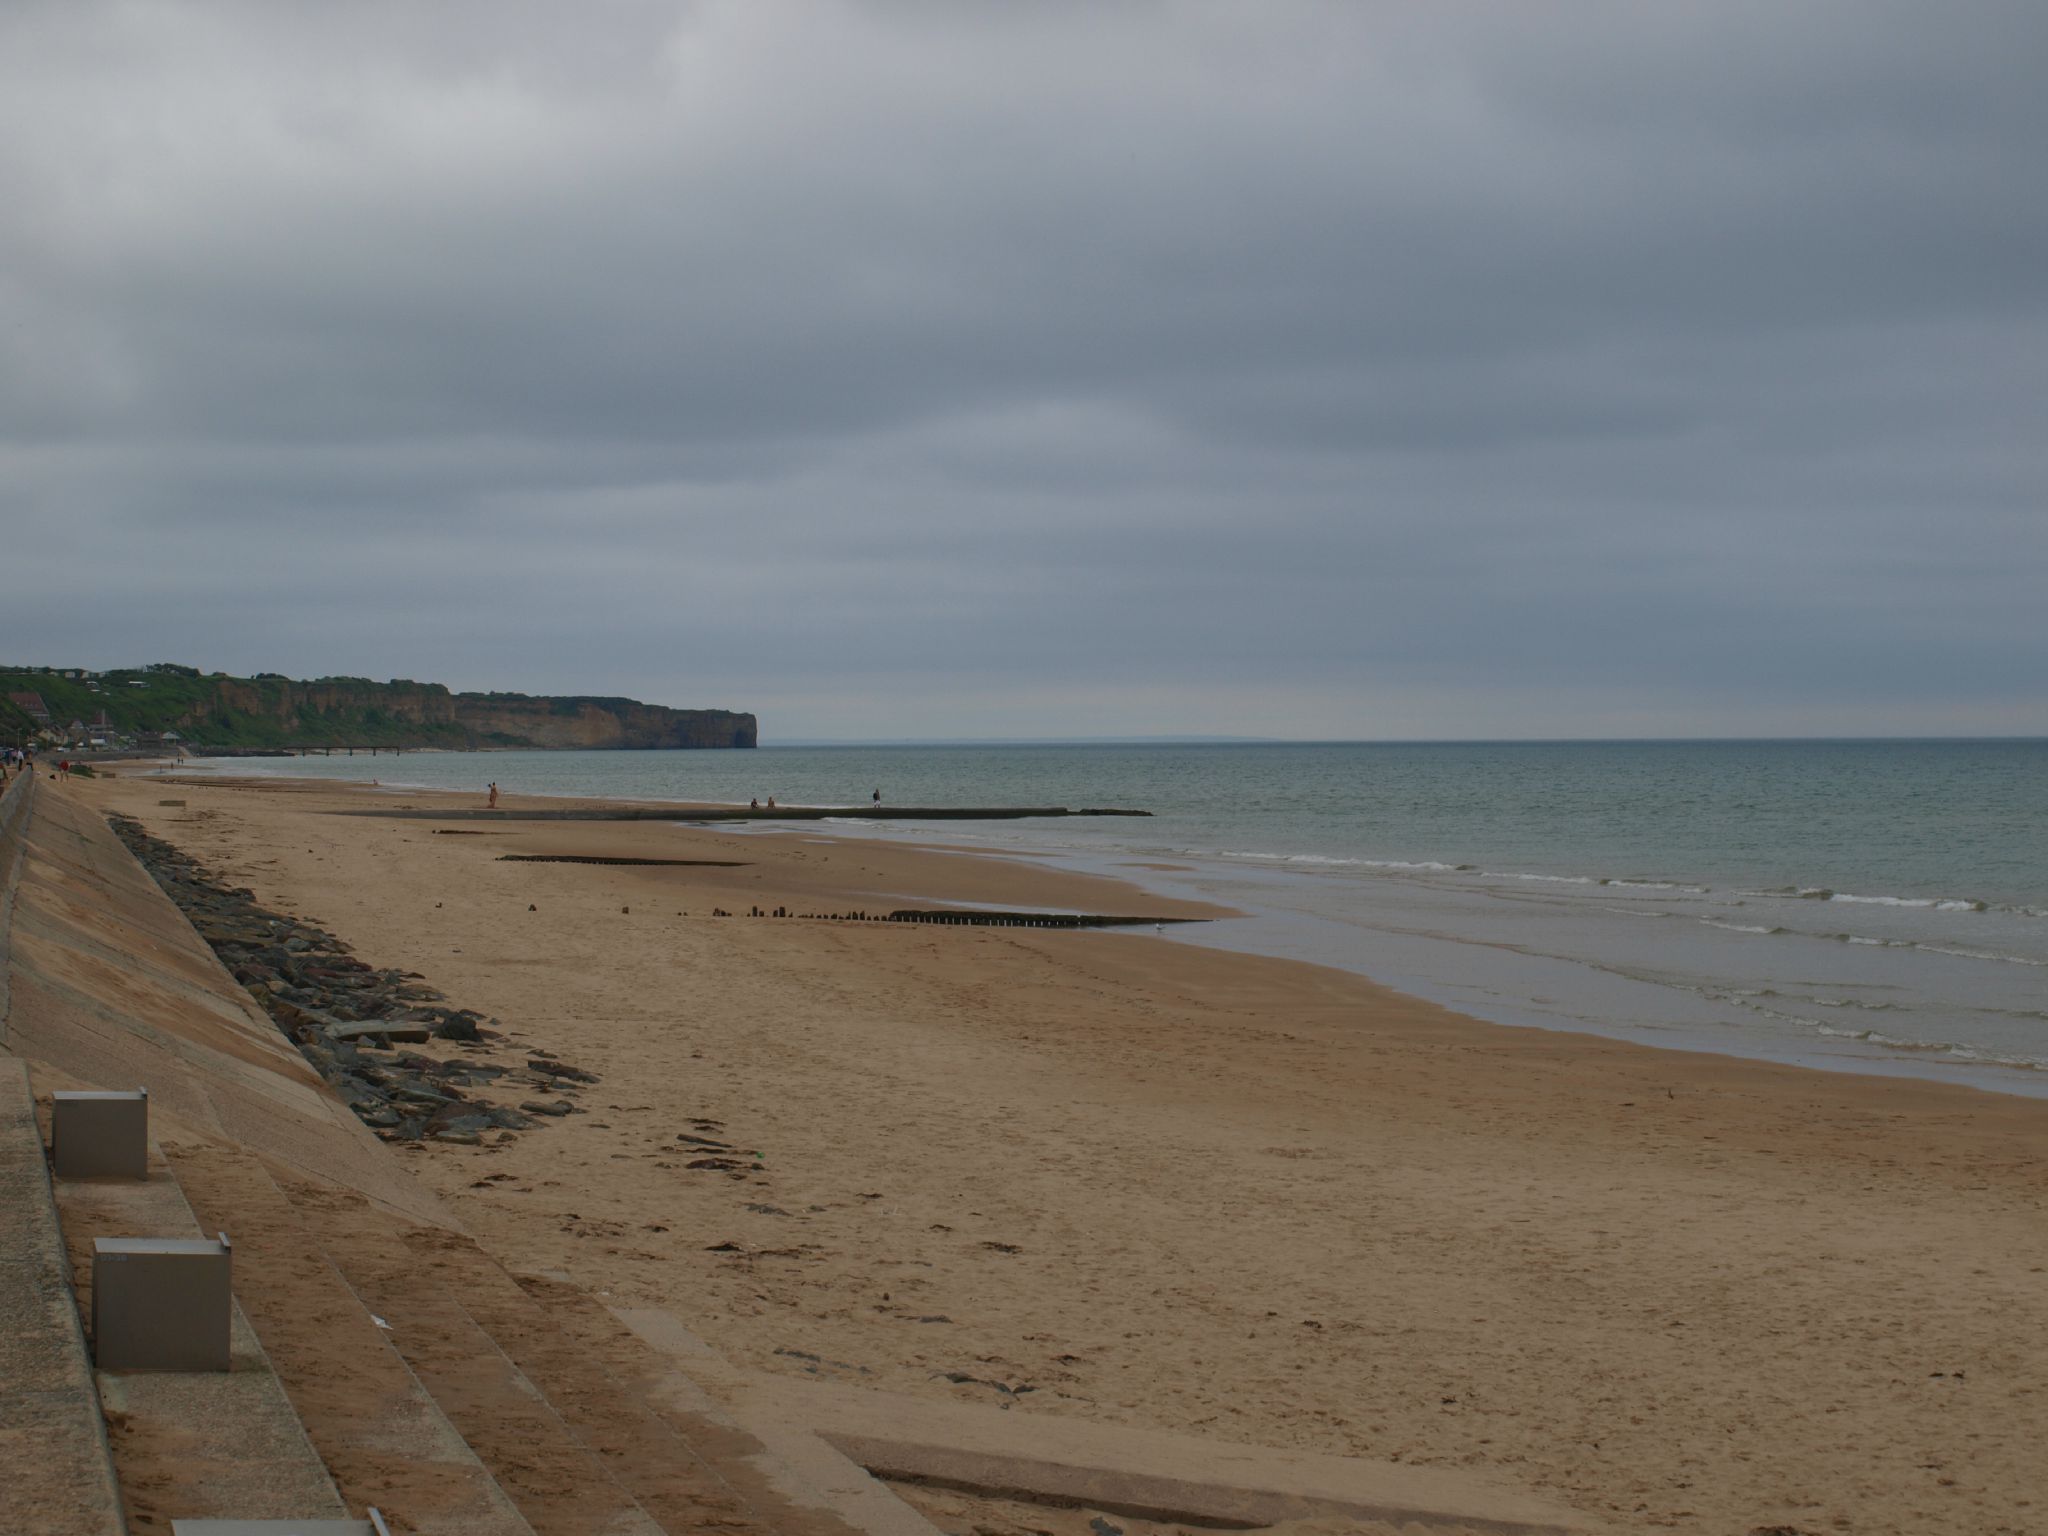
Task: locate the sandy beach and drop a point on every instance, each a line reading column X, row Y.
column 1110, row 1176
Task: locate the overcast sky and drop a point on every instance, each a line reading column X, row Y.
column 922, row 369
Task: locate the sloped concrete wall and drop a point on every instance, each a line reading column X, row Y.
column 14, row 813
column 108, row 986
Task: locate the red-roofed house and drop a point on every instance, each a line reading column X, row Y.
column 32, row 705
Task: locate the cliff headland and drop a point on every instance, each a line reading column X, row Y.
column 169, row 704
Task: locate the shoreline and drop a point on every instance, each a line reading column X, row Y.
column 1175, row 1188
column 1916, row 1063
column 1266, row 932
column 1436, row 967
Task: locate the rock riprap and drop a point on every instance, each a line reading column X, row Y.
column 348, row 1018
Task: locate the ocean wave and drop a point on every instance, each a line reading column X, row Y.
column 1944, row 904
column 1935, row 949
column 1980, row 954
column 1938, row 904
column 1922, row 903
column 1324, row 860
column 1889, row 1042
column 1867, row 941
column 1790, row 1010
column 1954, row 1051
column 1432, row 867
column 1255, row 856
column 1991, row 1059
column 1778, row 1013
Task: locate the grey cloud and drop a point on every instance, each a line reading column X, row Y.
column 1690, row 352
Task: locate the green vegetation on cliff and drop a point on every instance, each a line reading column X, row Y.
column 272, row 711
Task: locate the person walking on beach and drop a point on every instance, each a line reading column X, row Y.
column 494, row 794
column 878, row 799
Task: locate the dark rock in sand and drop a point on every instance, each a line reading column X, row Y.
column 333, row 1006
column 560, row 1069
column 455, row 1025
column 387, row 1029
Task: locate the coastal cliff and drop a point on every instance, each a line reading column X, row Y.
column 271, row 712
column 599, row 723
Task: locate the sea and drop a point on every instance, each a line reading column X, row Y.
column 1865, row 906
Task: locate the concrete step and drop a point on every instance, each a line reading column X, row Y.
column 800, row 1483
column 597, row 1394
column 1142, row 1474
column 384, row 1440
column 560, row 1485
column 191, row 1444
column 1030, row 1460
column 59, row 1473
column 512, row 1358
column 686, row 1462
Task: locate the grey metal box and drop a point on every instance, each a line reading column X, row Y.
column 100, row 1135
column 161, row 1303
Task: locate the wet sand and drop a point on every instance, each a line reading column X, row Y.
column 1107, row 1175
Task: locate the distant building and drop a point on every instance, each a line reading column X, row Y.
column 32, row 705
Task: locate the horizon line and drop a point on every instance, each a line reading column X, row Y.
column 1370, row 741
